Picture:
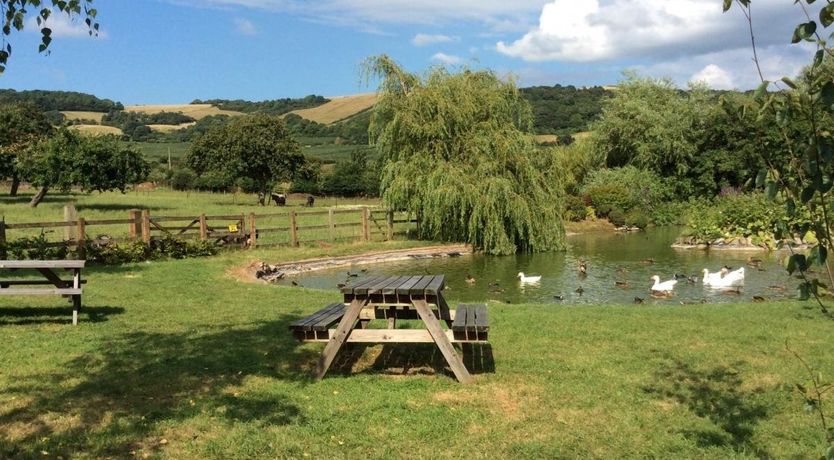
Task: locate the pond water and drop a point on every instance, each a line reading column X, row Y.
column 610, row 258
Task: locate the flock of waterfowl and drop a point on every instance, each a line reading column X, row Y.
column 726, row 279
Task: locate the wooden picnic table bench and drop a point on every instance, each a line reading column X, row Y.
column 393, row 298
column 56, row 286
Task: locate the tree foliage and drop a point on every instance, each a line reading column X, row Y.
column 457, row 150
column 271, row 107
column 21, row 126
column 357, row 177
column 564, row 110
column 257, row 148
column 16, row 12
column 59, row 100
column 92, row 163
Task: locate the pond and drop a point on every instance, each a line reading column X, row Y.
column 617, row 272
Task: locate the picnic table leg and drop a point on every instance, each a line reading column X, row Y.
column 442, row 341
column 335, row 344
column 443, row 309
column 76, row 299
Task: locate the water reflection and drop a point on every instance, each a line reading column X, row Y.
column 618, row 270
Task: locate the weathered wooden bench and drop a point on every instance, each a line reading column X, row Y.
column 470, row 325
column 55, row 285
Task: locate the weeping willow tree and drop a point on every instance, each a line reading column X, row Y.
column 457, row 150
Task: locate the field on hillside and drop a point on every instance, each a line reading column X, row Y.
column 339, row 108
column 170, row 128
column 196, row 111
column 158, row 151
column 72, row 115
column 97, row 129
column 183, row 360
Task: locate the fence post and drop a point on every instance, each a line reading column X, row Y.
column 253, row 231
column 203, row 228
column 366, row 228
column 332, row 224
column 241, row 231
column 146, row 226
column 390, row 216
column 81, row 238
column 69, row 216
column 135, row 228
column 2, row 238
column 293, row 229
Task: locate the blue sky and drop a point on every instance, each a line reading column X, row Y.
column 174, row 51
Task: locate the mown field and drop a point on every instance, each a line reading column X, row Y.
column 182, row 360
column 196, row 111
column 339, row 108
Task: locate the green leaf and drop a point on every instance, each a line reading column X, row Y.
column 804, row 31
column 827, row 94
column 818, row 56
column 761, row 90
column 789, row 82
column 727, row 5
column 770, row 190
column 797, row 262
column 827, row 15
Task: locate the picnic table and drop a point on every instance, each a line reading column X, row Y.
column 53, row 282
column 392, row 298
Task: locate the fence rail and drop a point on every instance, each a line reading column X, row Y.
column 288, row 228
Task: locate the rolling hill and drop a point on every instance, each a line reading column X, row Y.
column 339, row 108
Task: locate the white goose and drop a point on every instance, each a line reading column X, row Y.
column 528, row 279
column 730, row 279
column 710, row 277
column 665, row 287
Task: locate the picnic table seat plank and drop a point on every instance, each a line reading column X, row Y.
column 14, row 264
column 56, row 285
column 18, row 282
column 40, row 291
column 307, row 323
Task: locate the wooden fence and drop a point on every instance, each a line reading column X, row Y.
column 288, row 228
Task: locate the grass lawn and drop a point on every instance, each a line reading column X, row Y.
column 181, row 360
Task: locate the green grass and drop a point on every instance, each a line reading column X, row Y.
column 181, row 360
column 157, row 152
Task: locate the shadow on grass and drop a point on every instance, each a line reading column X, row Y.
column 118, row 398
column 409, row 359
column 55, row 315
column 26, row 198
column 717, row 395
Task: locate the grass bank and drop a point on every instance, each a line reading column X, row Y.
column 180, row 360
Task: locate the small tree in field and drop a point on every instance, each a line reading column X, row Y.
column 256, row 148
column 21, row 126
column 457, row 150
column 71, row 160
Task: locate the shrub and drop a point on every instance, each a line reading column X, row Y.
column 617, row 217
column 637, row 218
column 183, row 179
column 575, row 209
column 36, row 247
column 626, row 188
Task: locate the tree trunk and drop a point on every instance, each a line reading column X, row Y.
column 38, row 197
column 15, row 185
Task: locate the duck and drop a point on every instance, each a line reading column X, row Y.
column 579, row 291
column 648, row 261
column 753, row 262
column 758, row 298
column 638, row 300
column 665, row 287
column 559, row 297
column 529, row 279
column 692, row 279
column 583, row 267
column 470, row 279
column 352, row 275
column 621, row 284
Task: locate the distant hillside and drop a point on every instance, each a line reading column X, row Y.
column 272, row 107
column 195, row 111
column 60, row 100
column 339, row 108
column 562, row 110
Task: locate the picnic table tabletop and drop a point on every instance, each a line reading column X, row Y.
column 401, row 285
column 42, row 264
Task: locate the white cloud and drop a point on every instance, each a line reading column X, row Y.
column 426, row 39
column 448, row 59
column 714, row 76
column 593, row 30
column 62, row 27
column 245, row 27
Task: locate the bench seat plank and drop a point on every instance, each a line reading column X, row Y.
column 39, row 291
column 323, row 316
column 42, row 263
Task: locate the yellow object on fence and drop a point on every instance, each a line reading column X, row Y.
column 233, row 228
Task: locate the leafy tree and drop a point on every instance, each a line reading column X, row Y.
column 356, row 177
column 257, row 147
column 457, row 150
column 70, row 159
column 16, row 13
column 59, row 100
column 272, row 107
column 564, row 110
column 21, row 126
